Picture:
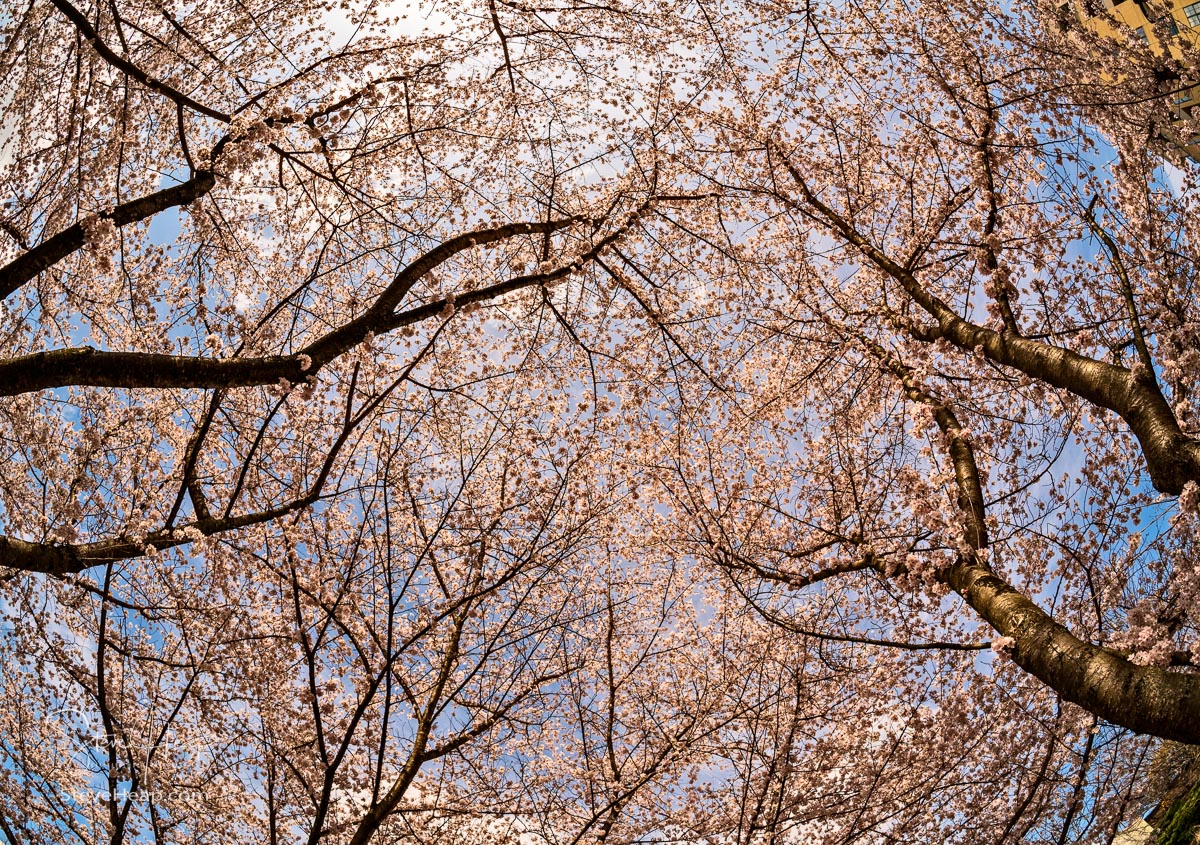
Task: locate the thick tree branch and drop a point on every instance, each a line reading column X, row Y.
column 789, row 625
column 52, row 250
column 380, row 316
column 1145, row 699
column 86, row 366
column 62, row 559
column 962, row 454
column 729, row 559
column 1172, row 457
column 998, row 291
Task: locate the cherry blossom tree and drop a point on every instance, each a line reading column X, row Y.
column 935, row 278
column 969, row 415
column 712, row 422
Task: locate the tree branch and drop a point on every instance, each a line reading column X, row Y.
column 129, row 68
column 1142, row 698
column 1114, row 254
column 86, row 366
column 52, row 250
column 1172, row 457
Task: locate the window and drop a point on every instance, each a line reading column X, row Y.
column 1141, row 32
column 1193, row 14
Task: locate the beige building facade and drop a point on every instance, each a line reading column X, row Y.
column 1166, row 27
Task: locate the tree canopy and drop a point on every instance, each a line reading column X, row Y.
column 715, row 422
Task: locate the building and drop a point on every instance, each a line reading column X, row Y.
column 1165, row 26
